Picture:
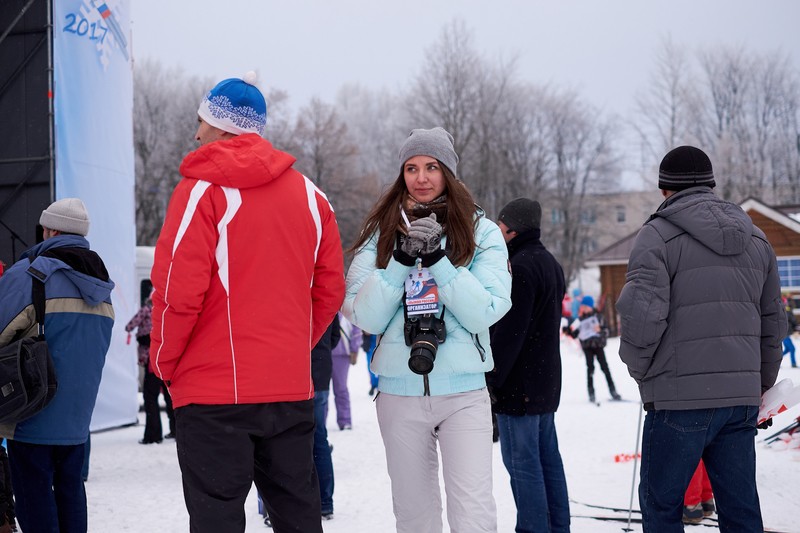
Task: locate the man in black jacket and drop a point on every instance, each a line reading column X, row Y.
column 525, row 384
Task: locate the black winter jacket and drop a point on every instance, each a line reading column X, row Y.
column 526, row 378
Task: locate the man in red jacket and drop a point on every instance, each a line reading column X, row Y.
column 248, row 273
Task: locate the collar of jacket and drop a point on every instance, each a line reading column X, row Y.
column 680, row 195
column 59, row 241
column 530, row 236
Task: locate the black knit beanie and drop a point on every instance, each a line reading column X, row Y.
column 521, row 214
column 684, row 167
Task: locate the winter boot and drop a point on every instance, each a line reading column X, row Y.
column 615, row 395
column 693, row 514
column 591, row 396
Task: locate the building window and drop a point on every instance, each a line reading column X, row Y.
column 588, row 245
column 789, row 272
column 588, row 216
column 557, row 216
column 620, row 214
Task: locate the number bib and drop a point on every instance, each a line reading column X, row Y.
column 422, row 293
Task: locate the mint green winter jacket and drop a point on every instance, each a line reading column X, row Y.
column 475, row 297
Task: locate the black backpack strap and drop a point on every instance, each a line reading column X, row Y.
column 38, row 297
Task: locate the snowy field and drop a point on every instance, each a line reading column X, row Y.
column 137, row 488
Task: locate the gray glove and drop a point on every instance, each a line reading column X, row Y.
column 424, row 237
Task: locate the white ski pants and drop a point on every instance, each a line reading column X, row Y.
column 462, row 425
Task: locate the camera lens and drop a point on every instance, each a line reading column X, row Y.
column 423, row 353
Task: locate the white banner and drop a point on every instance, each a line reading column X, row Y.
column 93, row 91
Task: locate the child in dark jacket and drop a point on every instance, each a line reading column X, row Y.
column 591, row 331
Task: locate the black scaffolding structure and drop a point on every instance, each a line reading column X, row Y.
column 27, row 148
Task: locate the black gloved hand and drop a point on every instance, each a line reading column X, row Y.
column 424, row 240
column 427, row 233
column 765, row 424
column 410, row 245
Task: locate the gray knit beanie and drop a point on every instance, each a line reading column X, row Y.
column 68, row 215
column 436, row 143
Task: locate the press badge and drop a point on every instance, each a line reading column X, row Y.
column 422, row 293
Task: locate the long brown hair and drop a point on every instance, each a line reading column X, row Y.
column 459, row 226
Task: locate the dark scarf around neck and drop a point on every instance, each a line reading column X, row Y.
column 415, row 210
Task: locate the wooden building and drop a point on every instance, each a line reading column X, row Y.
column 781, row 224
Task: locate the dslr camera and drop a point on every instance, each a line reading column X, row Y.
column 424, row 333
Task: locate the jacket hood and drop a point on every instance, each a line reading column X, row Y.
column 93, row 290
column 242, row 162
column 719, row 225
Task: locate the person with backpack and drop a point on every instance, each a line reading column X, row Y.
column 47, row 451
column 590, row 329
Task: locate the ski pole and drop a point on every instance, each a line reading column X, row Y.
column 635, row 462
column 790, row 427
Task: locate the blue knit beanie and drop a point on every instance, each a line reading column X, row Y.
column 587, row 301
column 236, row 106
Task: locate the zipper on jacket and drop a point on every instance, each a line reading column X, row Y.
column 480, row 347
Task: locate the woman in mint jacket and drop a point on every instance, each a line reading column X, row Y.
column 426, row 248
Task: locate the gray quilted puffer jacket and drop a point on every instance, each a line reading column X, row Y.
column 701, row 314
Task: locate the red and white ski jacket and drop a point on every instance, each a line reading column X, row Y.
column 248, row 274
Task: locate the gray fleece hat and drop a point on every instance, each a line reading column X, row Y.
column 435, row 142
column 67, row 215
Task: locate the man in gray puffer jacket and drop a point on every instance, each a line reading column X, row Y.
column 702, row 322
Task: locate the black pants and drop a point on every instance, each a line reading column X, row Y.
column 151, row 388
column 6, row 494
column 600, row 354
column 222, row 449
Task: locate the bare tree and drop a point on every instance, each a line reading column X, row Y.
column 740, row 107
column 377, row 124
column 280, row 120
column 165, row 104
column 324, row 148
column 662, row 112
column 466, row 93
column 752, row 134
column 524, row 136
column 326, row 154
column 583, row 161
column 447, row 89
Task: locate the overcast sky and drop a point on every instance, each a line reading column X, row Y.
column 602, row 48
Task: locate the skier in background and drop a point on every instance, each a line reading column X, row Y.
column 591, row 330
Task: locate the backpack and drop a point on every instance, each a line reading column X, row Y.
column 27, row 374
column 601, row 339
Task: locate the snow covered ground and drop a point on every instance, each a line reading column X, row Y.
column 138, row 488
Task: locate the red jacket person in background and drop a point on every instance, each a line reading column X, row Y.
column 248, row 274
